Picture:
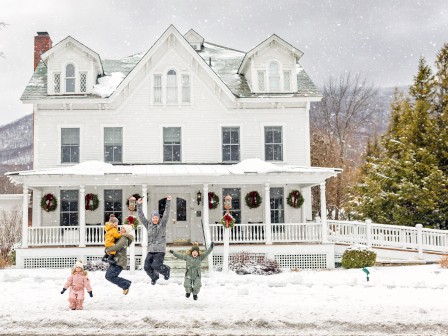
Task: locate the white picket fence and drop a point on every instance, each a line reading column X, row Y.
column 348, row 232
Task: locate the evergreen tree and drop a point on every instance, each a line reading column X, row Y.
column 402, row 182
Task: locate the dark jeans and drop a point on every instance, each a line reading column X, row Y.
column 112, row 275
column 154, row 265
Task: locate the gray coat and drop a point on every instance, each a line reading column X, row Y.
column 156, row 232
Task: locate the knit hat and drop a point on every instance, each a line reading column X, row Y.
column 128, row 228
column 195, row 247
column 113, row 219
column 155, row 213
column 79, row 264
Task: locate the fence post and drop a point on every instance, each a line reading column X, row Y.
column 420, row 240
column 369, row 232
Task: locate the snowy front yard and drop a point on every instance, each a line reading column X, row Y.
column 411, row 300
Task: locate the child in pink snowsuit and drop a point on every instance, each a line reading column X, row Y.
column 78, row 282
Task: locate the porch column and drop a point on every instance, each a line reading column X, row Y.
column 144, row 231
column 205, row 224
column 82, row 216
column 303, row 208
column 267, row 213
column 323, row 213
column 25, row 217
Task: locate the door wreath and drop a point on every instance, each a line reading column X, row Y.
column 253, row 199
column 213, row 200
column 295, row 199
column 92, row 202
column 49, row 202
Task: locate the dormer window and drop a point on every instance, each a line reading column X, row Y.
column 83, row 82
column 274, row 77
column 57, row 83
column 70, row 78
column 287, row 81
column 261, row 84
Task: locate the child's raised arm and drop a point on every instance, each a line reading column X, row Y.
column 179, row 255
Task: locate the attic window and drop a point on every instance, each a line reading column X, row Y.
column 70, row 78
column 57, row 82
column 83, row 82
column 274, row 77
column 171, row 87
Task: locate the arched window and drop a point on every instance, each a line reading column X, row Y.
column 274, row 77
column 171, row 87
column 70, row 78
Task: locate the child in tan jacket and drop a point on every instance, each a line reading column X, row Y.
column 77, row 282
column 110, row 237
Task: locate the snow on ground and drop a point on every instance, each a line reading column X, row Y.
column 405, row 300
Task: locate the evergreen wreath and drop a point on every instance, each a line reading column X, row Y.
column 228, row 221
column 132, row 220
column 92, row 202
column 253, row 199
column 137, row 196
column 213, row 200
column 49, row 202
column 295, row 199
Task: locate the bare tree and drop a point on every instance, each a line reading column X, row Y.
column 10, row 231
column 339, row 125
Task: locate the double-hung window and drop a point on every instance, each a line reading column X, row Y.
column 113, row 204
column 172, row 144
column 70, row 145
column 230, row 144
column 171, row 87
column 273, row 143
column 70, row 78
column 113, row 144
column 157, row 88
column 186, row 89
column 69, row 207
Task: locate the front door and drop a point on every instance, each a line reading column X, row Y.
column 178, row 226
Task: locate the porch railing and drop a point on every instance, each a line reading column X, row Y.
column 70, row 235
column 381, row 235
column 256, row 233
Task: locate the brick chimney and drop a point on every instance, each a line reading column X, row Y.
column 42, row 42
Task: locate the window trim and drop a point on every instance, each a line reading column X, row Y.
column 162, row 159
column 75, row 70
column 154, row 88
column 60, row 127
column 262, row 140
column 164, row 87
column 103, row 144
column 222, row 144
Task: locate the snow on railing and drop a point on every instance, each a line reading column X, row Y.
column 382, row 235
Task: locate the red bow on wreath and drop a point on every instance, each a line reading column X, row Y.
column 227, row 218
column 295, row 197
column 253, row 198
column 48, row 200
column 89, row 198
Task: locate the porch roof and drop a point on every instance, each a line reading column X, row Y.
column 249, row 171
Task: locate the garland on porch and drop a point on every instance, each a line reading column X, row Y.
column 295, row 199
column 49, row 202
column 137, row 196
column 213, row 200
column 92, row 202
column 228, row 221
column 132, row 220
column 253, row 199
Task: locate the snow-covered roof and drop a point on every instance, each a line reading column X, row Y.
column 261, row 170
column 224, row 61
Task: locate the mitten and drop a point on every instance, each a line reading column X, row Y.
column 171, row 251
column 212, row 244
column 90, row 293
column 63, row 290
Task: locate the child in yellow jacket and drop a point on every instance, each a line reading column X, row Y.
column 111, row 235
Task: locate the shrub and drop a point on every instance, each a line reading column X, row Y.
column 358, row 256
column 96, row 266
column 443, row 262
column 246, row 263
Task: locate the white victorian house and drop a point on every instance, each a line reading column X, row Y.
column 187, row 118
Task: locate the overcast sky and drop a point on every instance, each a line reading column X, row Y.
column 381, row 39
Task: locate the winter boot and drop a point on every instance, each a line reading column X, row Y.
column 167, row 275
column 187, row 295
column 153, row 281
column 104, row 258
column 195, row 296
